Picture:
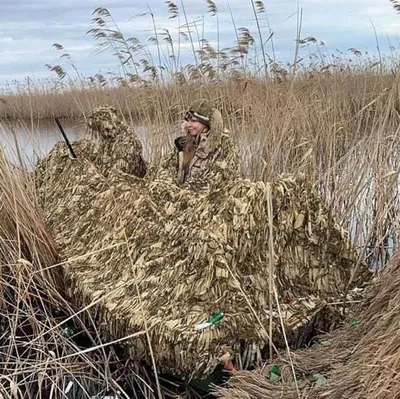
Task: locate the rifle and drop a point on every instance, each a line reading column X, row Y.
column 65, row 138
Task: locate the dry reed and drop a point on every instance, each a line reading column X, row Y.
column 337, row 124
column 358, row 361
column 48, row 348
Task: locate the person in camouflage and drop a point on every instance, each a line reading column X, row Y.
column 114, row 143
column 193, row 148
column 205, row 155
column 165, row 252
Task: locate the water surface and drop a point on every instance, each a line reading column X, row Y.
column 32, row 142
column 24, row 142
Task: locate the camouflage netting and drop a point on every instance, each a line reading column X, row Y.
column 161, row 256
column 312, row 367
column 360, row 361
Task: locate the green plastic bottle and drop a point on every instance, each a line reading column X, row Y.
column 216, row 318
column 68, row 332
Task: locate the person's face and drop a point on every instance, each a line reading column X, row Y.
column 195, row 127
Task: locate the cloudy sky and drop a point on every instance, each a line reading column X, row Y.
column 29, row 28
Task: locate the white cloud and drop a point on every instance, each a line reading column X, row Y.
column 391, row 29
column 6, row 39
column 375, row 11
column 29, row 29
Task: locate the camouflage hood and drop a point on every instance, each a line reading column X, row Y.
column 113, row 143
column 104, row 124
column 209, row 140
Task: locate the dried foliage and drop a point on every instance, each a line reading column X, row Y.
column 395, row 4
column 172, row 9
column 152, row 62
column 361, row 361
column 371, row 369
column 312, row 367
column 259, row 6
column 337, row 119
column 48, row 348
column 212, row 7
column 161, row 258
column 251, row 385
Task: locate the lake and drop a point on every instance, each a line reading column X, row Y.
column 33, row 142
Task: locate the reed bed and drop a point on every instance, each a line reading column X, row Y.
column 48, row 348
column 334, row 120
column 359, row 361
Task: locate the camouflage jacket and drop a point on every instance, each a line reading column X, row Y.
column 220, row 166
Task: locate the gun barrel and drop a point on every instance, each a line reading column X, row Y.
column 65, row 138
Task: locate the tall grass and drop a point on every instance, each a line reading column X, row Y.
column 48, row 349
column 335, row 119
column 160, row 74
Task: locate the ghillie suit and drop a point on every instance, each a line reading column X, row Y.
column 110, row 143
column 159, row 258
column 115, row 145
column 214, row 160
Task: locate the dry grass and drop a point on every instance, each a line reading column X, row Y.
column 371, row 371
column 47, row 345
column 359, row 362
column 331, row 352
column 336, row 123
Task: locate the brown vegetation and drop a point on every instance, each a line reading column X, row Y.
column 336, row 123
column 360, row 361
column 340, row 130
